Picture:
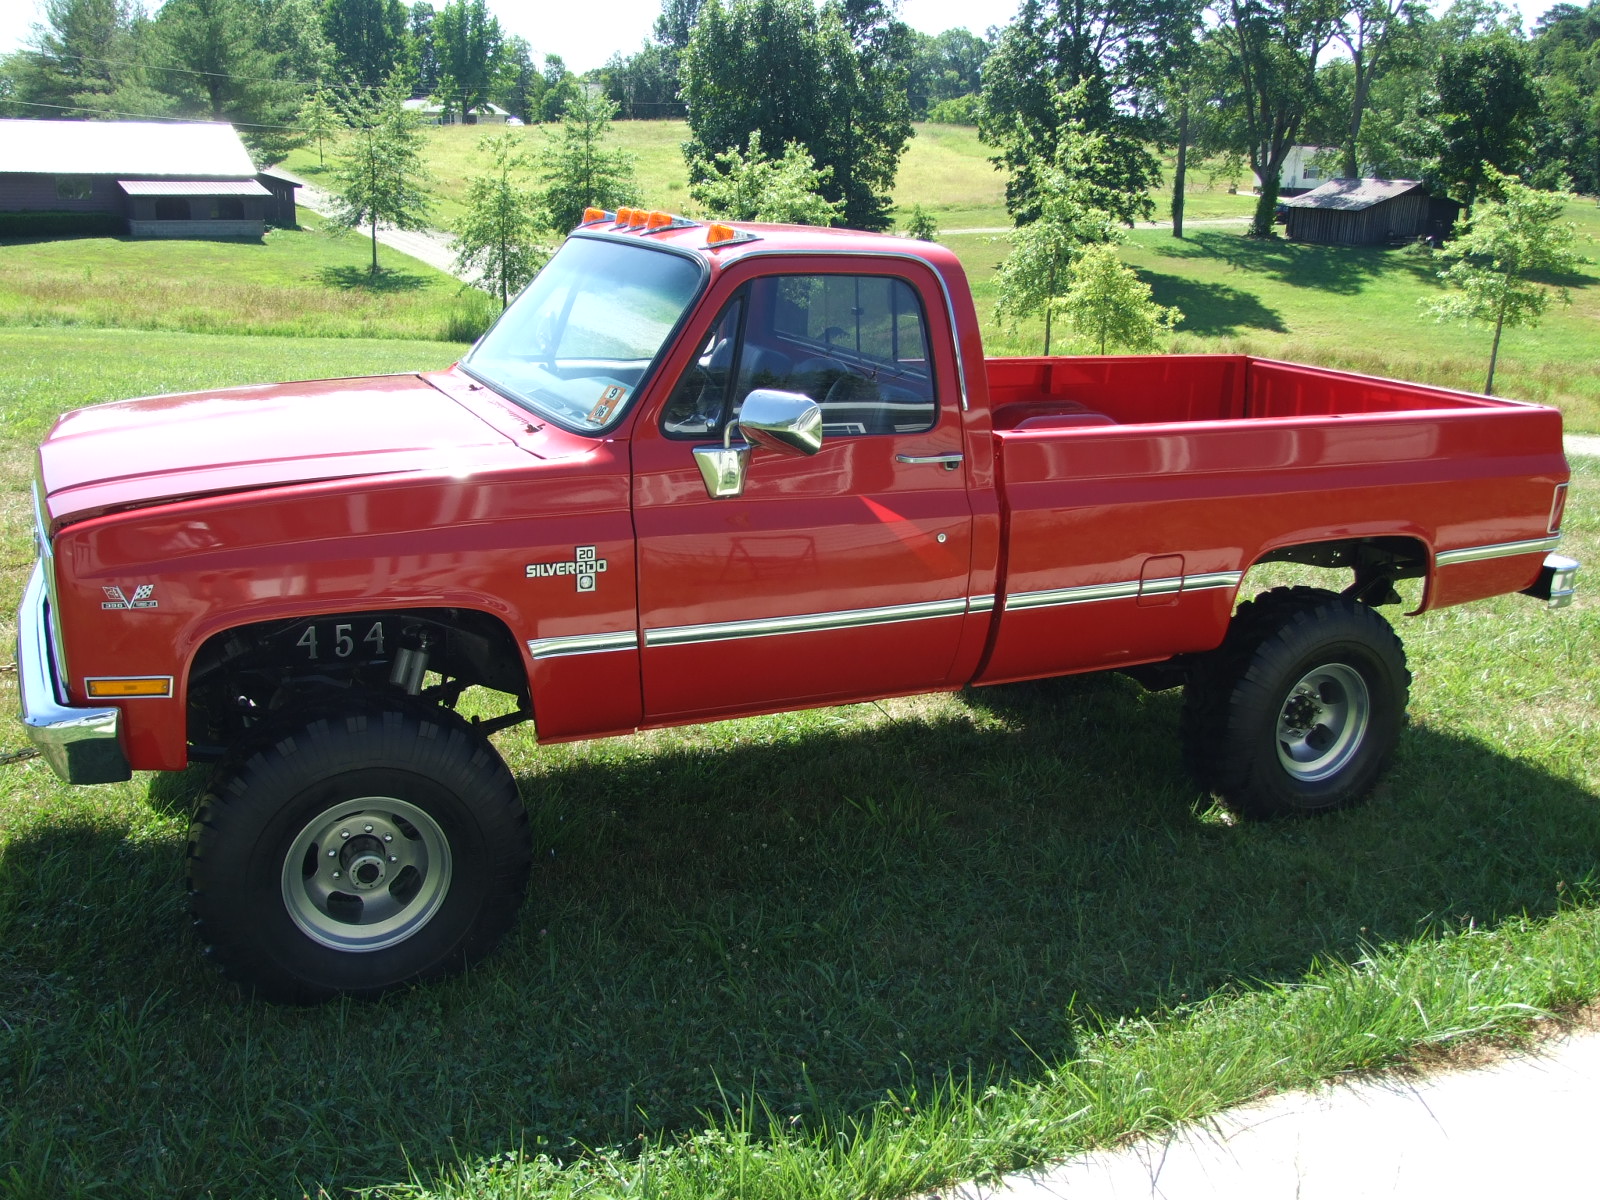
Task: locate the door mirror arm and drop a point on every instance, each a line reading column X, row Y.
column 785, row 423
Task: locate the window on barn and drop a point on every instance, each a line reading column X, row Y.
column 228, row 208
column 74, row 187
column 172, row 208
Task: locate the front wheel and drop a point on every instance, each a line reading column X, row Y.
column 1300, row 708
column 357, row 854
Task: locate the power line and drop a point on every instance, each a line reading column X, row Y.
column 107, row 112
column 127, row 62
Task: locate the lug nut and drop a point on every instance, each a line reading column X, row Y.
column 392, row 858
column 344, row 833
column 369, row 828
column 388, row 837
column 332, row 853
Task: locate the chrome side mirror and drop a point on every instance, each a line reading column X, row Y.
column 783, row 422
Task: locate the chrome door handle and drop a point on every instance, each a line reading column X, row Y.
column 949, row 460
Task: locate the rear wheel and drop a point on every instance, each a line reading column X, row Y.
column 1300, row 708
column 356, row 854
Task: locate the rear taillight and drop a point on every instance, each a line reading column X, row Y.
column 1558, row 508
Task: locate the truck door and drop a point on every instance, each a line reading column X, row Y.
column 831, row 578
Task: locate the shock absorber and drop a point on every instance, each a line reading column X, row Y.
column 411, row 660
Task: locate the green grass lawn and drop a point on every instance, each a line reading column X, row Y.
column 851, row 952
column 1358, row 308
column 293, row 282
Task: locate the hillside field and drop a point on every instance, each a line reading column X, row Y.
column 1356, row 308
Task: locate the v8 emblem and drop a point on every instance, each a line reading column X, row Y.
column 117, row 599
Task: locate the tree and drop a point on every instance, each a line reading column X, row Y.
column 943, row 67
column 319, row 120
column 1043, row 251
column 1272, row 48
column 1063, row 62
column 369, row 38
column 380, row 177
column 1567, row 50
column 468, row 45
column 518, row 87
column 1374, row 33
column 88, row 58
column 1108, row 303
column 753, row 186
column 499, row 232
column 831, row 81
column 1481, row 111
column 576, row 169
column 424, row 47
column 1515, row 233
column 921, row 225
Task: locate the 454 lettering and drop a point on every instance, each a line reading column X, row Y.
column 341, row 640
column 585, row 567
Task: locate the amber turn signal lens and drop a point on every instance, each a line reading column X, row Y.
column 124, row 689
column 658, row 220
column 718, row 234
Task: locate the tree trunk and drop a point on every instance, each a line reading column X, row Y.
column 374, row 270
column 1049, row 306
column 1358, row 108
column 1179, row 171
column 1267, row 202
column 1494, row 350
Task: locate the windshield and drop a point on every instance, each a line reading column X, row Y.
column 579, row 342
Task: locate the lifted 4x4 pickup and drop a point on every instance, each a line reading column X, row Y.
column 702, row 472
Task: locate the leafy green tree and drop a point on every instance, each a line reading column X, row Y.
column 1109, row 304
column 921, row 225
column 830, row 80
column 518, row 86
column 1039, row 268
column 753, row 186
column 87, row 58
column 577, row 169
column 469, row 45
column 424, row 20
column 1377, row 35
column 1481, row 111
column 559, row 86
column 319, row 120
column 1514, row 233
column 1272, row 48
column 943, row 67
column 1567, row 51
column 1064, row 62
column 369, row 38
column 380, row 177
column 499, row 232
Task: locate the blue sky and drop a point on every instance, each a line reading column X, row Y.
column 585, row 37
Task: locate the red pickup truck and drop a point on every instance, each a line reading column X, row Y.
column 698, row 472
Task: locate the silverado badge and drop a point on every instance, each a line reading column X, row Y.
column 585, row 567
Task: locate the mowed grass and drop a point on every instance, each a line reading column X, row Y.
column 302, row 283
column 1358, row 308
column 855, row 952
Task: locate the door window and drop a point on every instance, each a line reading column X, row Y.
column 856, row 344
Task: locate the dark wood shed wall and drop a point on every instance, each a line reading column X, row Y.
column 40, row 193
column 1402, row 217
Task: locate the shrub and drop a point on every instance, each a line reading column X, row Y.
column 962, row 110
column 57, row 224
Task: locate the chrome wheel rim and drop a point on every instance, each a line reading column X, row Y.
column 1323, row 722
column 366, row 874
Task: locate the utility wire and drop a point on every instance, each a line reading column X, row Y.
column 108, row 112
column 128, row 62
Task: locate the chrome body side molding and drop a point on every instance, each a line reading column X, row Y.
column 584, row 643
column 1472, row 554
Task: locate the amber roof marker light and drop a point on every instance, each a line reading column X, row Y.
column 721, row 234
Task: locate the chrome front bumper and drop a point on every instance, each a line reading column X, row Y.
column 80, row 744
column 1557, row 582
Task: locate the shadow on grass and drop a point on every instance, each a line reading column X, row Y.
column 1344, row 270
column 1212, row 309
column 804, row 923
column 361, row 279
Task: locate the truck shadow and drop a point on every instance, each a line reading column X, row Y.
column 801, row 913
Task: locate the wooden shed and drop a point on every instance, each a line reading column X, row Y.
column 164, row 179
column 1360, row 212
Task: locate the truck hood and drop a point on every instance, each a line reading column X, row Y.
column 140, row 452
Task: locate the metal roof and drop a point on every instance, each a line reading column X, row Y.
column 1352, row 195
column 175, row 149
column 192, row 187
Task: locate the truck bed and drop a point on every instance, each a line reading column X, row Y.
column 1137, row 492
